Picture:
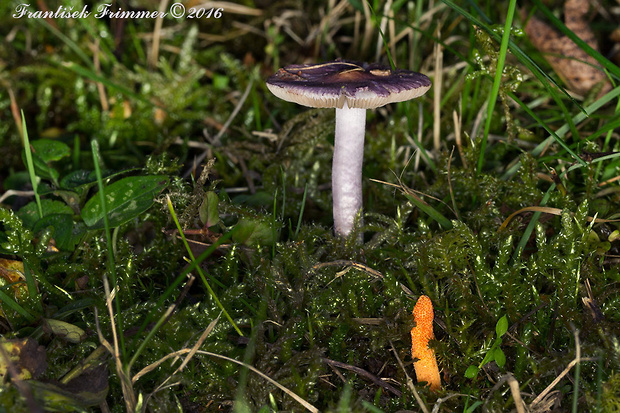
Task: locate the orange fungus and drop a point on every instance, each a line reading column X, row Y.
column 424, row 360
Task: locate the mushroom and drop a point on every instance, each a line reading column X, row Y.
column 424, row 360
column 351, row 88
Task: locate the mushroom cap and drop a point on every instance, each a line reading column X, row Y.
column 360, row 85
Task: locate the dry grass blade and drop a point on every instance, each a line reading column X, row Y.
column 216, row 140
column 542, row 397
column 298, row 399
column 368, row 31
column 547, row 210
column 383, row 27
column 156, row 364
column 516, row 393
column 410, row 384
column 103, row 98
column 327, row 24
column 412, row 192
column 610, row 181
column 230, row 7
column 152, row 61
column 458, row 119
column 514, row 390
column 437, row 85
column 576, row 360
column 456, row 210
column 159, row 362
column 126, row 385
column 15, row 112
column 199, row 343
column 190, row 353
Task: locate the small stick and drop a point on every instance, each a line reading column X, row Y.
column 360, row 371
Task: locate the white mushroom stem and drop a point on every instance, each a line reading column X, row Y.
column 347, row 167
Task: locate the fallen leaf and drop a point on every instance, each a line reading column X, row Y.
column 576, row 68
column 26, row 356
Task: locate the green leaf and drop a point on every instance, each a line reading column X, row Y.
column 125, row 200
column 209, row 214
column 49, row 151
column 501, row 327
column 78, row 178
column 252, row 232
column 29, row 214
column 44, row 152
column 74, row 306
column 86, row 179
column 66, row 232
column 473, row 407
column 58, row 216
column 64, row 330
column 471, row 372
column 499, row 356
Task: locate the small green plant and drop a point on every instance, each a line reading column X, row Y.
column 495, row 353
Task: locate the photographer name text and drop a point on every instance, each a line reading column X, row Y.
column 176, row 10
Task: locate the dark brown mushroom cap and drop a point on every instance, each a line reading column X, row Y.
column 331, row 84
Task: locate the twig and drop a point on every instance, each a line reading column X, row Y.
column 351, row 264
column 360, row 371
column 13, row 192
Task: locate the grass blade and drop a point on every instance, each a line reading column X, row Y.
column 14, row 305
column 111, row 261
column 503, row 50
column 429, row 210
column 202, row 276
column 30, row 164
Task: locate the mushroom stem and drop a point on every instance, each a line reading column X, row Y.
column 347, row 167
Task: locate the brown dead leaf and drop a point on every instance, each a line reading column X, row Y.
column 25, row 355
column 576, row 68
column 12, row 273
